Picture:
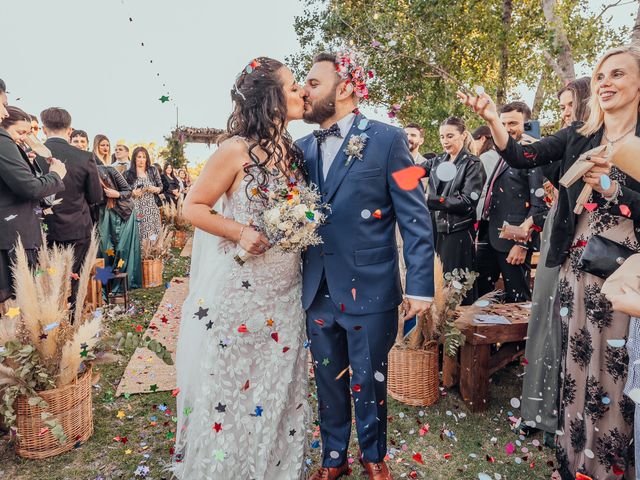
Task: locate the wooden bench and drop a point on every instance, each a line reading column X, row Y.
column 476, row 362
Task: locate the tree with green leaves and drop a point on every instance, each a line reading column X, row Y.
column 174, row 152
column 423, row 51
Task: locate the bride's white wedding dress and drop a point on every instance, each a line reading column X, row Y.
column 241, row 361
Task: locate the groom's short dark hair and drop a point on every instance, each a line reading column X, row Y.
column 328, row 57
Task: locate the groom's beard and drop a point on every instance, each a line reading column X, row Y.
column 321, row 109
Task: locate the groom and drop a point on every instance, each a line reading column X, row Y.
column 352, row 288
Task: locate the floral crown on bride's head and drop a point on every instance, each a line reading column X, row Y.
column 251, row 66
column 348, row 69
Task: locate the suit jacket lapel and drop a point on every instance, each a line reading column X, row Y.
column 339, row 167
column 311, row 159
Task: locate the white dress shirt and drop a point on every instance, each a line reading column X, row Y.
column 331, row 146
column 329, row 150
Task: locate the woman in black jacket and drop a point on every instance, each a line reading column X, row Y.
column 456, row 178
column 170, row 183
column 146, row 185
column 21, row 189
column 119, row 236
column 596, row 418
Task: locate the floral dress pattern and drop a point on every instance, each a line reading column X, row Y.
column 596, row 418
column 242, row 404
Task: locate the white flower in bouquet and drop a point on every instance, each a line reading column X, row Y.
column 290, row 219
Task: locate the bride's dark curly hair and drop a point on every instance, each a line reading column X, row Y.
column 259, row 115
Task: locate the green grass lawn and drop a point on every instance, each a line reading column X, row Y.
column 452, row 442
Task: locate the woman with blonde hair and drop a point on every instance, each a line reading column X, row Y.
column 102, row 149
column 596, row 418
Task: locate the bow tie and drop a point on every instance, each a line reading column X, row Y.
column 322, row 135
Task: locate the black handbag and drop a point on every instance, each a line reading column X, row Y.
column 601, row 257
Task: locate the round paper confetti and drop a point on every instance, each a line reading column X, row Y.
column 616, row 343
column 479, row 89
column 446, row 171
column 474, row 196
column 606, row 400
column 518, row 460
column 335, row 455
column 588, row 453
column 515, row 402
column 365, row 214
column 401, row 415
column 538, row 419
column 482, row 303
column 484, row 476
column 379, row 376
column 564, row 311
column 540, row 193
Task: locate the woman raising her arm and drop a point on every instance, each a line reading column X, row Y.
column 596, row 434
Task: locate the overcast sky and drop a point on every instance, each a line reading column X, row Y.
column 87, row 56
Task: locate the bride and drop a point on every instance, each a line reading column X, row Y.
column 241, row 361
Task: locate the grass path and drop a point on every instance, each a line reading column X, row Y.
column 135, row 433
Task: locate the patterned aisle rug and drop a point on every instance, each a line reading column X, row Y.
column 145, row 371
column 186, row 251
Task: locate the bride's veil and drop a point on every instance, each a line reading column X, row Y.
column 210, row 270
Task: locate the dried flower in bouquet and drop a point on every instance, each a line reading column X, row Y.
column 158, row 246
column 173, row 214
column 437, row 325
column 290, row 218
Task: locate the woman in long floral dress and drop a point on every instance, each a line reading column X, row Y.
column 145, row 186
column 596, row 419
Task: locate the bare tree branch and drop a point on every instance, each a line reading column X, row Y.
column 619, row 3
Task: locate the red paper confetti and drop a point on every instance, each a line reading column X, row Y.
column 377, row 214
column 242, row 329
column 418, row 458
column 217, row 427
column 164, row 319
column 447, row 456
column 582, row 476
column 274, row 335
column 357, row 388
column 617, row 470
column 409, row 178
column 590, row 206
column 624, row 210
column 138, row 328
column 353, row 294
column 174, row 393
column 245, row 387
column 285, row 349
column 319, row 321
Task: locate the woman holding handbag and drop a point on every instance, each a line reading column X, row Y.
column 596, row 418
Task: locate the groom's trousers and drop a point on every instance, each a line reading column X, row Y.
column 361, row 342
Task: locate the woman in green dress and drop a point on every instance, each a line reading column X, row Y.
column 119, row 236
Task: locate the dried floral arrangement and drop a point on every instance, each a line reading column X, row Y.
column 159, row 246
column 437, row 324
column 174, row 216
column 43, row 343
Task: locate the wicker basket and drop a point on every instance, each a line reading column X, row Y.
column 179, row 239
column 152, row 273
column 71, row 405
column 413, row 376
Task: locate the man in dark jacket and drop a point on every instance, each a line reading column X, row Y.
column 512, row 196
column 70, row 223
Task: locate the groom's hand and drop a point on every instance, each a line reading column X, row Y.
column 413, row 307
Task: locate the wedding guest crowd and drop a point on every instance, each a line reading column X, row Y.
column 597, row 434
column 74, row 191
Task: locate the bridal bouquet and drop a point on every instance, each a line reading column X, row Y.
column 290, row 219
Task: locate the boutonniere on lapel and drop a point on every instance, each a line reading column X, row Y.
column 355, row 147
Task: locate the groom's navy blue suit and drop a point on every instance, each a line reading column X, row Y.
column 352, row 287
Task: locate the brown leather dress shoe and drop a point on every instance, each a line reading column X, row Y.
column 331, row 473
column 377, row 471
